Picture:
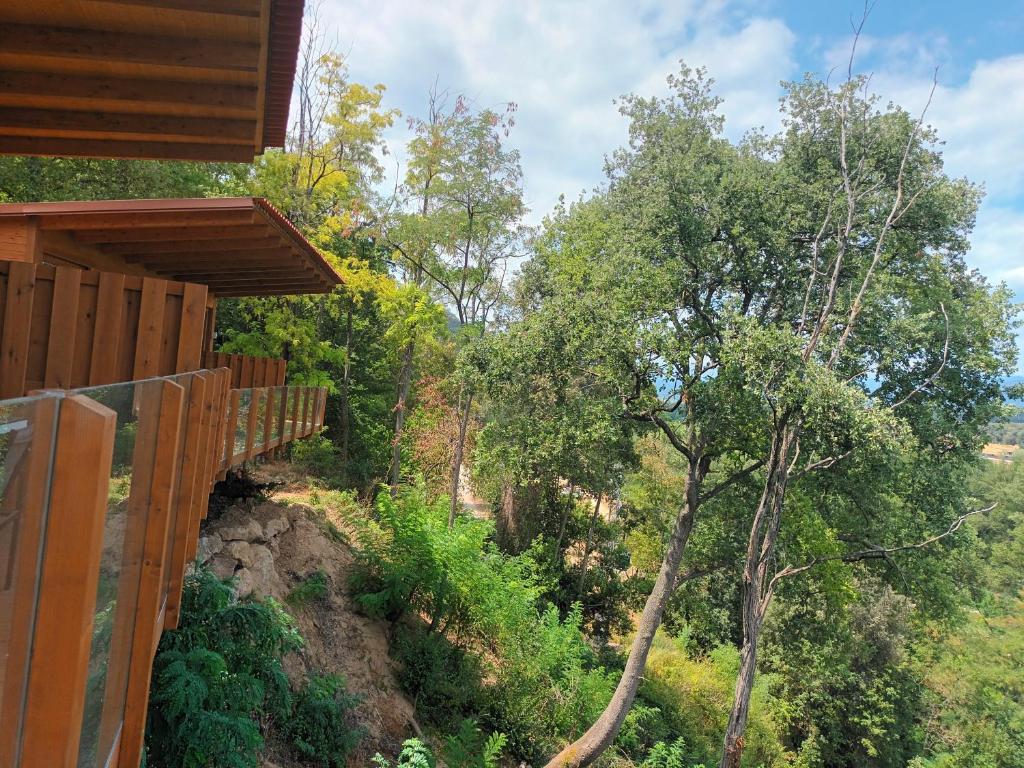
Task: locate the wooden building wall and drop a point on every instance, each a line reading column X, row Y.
column 62, row 327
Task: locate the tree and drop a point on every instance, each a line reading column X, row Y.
column 684, row 298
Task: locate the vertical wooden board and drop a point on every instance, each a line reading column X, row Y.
column 282, row 372
column 28, row 500
column 60, row 353
column 248, row 369
column 147, row 624
column 170, row 335
column 235, row 364
column 268, row 421
column 151, row 318
column 294, row 431
column 39, row 330
column 68, row 583
column 188, row 494
column 206, row 466
column 129, row 332
column 209, row 324
column 231, row 427
column 251, row 423
column 17, row 324
column 190, row 336
column 85, row 328
column 306, row 397
column 106, row 338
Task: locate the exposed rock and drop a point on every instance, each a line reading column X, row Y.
column 208, row 547
column 222, row 566
column 275, row 527
column 238, row 525
column 262, row 567
column 245, row 583
column 240, row 550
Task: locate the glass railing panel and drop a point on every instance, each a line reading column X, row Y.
column 242, row 422
column 280, row 397
column 261, row 418
column 137, row 405
column 26, row 457
column 185, row 382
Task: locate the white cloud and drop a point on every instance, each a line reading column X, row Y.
column 563, row 63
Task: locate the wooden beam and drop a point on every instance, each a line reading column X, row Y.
column 17, row 121
column 228, row 251
column 141, row 150
column 229, row 270
column 66, row 91
column 137, row 220
column 88, row 44
column 68, row 584
column 160, row 234
column 174, row 245
column 244, row 8
column 228, row 293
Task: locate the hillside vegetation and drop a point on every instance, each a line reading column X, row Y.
column 718, row 427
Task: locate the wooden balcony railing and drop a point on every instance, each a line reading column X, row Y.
column 248, row 371
column 103, row 490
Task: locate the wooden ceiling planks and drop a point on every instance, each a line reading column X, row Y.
column 234, row 246
column 206, row 80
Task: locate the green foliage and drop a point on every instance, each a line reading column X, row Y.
column 218, row 684
column 310, row 589
column 469, row 747
column 318, row 455
column 538, row 682
column 414, row 754
column 318, row 726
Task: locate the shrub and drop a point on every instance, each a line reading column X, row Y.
column 442, row 679
column 469, row 747
column 218, row 684
column 318, row 727
column 310, row 589
column 414, row 754
column 318, row 456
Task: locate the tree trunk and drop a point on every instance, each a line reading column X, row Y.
column 586, row 749
column 587, row 548
column 757, row 588
column 565, row 520
column 460, row 447
column 732, row 750
column 345, row 387
column 404, row 384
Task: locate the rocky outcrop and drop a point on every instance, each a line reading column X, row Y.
column 271, row 549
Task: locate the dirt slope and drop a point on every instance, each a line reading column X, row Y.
column 270, row 549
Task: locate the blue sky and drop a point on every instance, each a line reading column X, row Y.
column 563, row 62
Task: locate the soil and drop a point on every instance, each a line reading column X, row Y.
column 338, row 640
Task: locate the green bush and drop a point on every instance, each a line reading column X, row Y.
column 414, row 754
column 442, row 679
column 318, row 727
column 218, row 684
column 310, row 589
column 532, row 675
column 318, row 456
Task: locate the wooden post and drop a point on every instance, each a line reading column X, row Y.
column 147, row 620
column 23, row 505
column 295, row 412
column 268, row 422
column 305, row 411
column 69, row 577
column 230, row 427
column 14, row 337
column 187, row 495
column 251, row 423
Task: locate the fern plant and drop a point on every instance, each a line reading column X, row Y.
column 317, row 728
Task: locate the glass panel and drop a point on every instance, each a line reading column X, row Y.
column 242, row 423
column 137, row 405
column 26, row 457
column 280, row 398
column 261, row 418
column 185, row 382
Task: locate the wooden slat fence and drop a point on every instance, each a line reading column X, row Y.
column 66, row 328
column 248, row 371
column 99, row 516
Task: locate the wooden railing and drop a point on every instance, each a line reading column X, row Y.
column 248, row 371
column 103, row 492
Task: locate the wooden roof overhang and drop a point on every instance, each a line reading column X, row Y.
column 235, row 246
column 166, row 79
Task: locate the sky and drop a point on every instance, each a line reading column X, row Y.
column 563, row 62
